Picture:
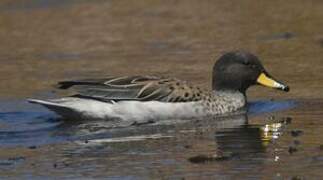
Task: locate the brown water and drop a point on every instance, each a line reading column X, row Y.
column 44, row 41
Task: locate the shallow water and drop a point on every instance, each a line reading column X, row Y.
column 44, row 41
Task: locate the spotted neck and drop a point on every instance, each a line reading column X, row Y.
column 228, row 101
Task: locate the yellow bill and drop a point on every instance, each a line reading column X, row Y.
column 265, row 80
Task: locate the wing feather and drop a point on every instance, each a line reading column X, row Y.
column 140, row 88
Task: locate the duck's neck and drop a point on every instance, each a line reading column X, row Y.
column 221, row 85
column 229, row 90
column 233, row 98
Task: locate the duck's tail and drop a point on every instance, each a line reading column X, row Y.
column 58, row 107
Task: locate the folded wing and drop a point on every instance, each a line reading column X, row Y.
column 139, row 88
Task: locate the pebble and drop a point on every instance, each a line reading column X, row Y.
column 32, row 147
column 199, row 159
column 296, row 132
column 297, row 178
column 286, row 120
column 292, row 149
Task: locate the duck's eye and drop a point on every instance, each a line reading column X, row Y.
column 247, row 63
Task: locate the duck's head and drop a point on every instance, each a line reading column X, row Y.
column 239, row 70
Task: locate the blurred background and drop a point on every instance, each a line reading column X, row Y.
column 44, row 41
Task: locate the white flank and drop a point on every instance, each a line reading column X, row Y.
column 126, row 110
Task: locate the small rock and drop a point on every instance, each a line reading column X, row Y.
column 286, row 120
column 297, row 178
column 135, row 123
column 296, row 132
column 199, row 159
column 55, row 165
column 65, row 164
column 287, row 35
column 292, row 149
column 32, row 147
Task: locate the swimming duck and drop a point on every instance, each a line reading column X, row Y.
column 151, row 97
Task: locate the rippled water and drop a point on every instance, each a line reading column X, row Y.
column 44, row 41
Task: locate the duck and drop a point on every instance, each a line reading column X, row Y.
column 143, row 98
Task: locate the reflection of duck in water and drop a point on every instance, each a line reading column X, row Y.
column 235, row 138
column 150, row 97
column 199, row 141
column 248, row 138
